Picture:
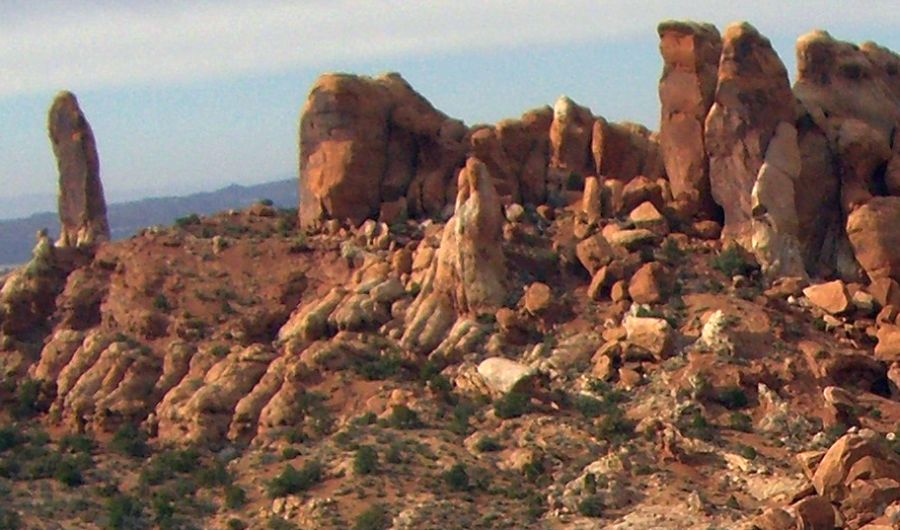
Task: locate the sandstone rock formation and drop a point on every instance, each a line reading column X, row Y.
column 570, row 143
column 623, row 151
column 690, row 54
column 875, row 240
column 364, row 142
column 752, row 98
column 82, row 208
column 468, row 271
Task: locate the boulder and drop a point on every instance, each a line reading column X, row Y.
column 652, row 334
column 538, row 298
column 831, row 297
column 690, row 53
column 82, row 208
column 594, row 252
column 875, row 241
column 814, row 513
column 752, row 97
column 834, row 474
column 364, row 141
column 888, row 347
column 651, row 284
column 592, row 200
column 503, row 376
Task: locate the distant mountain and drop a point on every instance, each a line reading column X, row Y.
column 126, row 218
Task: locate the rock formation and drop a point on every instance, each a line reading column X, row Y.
column 570, row 143
column 623, row 151
column 752, row 98
column 468, row 271
column 687, row 87
column 364, row 142
column 82, row 208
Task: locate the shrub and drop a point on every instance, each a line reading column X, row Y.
column 591, row 506
column 130, row 441
column 236, row 524
column 374, row 518
column 459, row 423
column 10, row 437
column 487, row 444
column 123, row 512
column 381, row 368
column 731, row 262
column 27, row 399
column 9, row 519
column 68, row 472
column 614, row 425
column 365, row 462
column 161, row 303
column 235, row 497
column 457, row 477
column 76, row 443
column 214, row 475
column 696, row 425
column 183, row 222
column 512, row 405
column 732, row 398
column 740, row 422
column 394, row 454
column 403, row 417
column 292, row 480
column 289, row 453
column 588, row 407
column 747, row 452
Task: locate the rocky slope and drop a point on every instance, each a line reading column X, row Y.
column 552, row 322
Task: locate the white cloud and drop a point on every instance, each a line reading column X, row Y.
column 51, row 45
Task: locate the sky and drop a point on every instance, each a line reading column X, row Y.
column 186, row 96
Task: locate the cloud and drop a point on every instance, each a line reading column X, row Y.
column 51, row 45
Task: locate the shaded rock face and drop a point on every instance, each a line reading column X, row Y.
column 623, row 151
column 468, row 272
column 872, row 229
column 570, row 142
column 687, row 87
column 82, row 208
column 752, row 97
column 365, row 141
column 526, row 144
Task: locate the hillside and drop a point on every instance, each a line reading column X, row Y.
column 126, row 218
column 553, row 322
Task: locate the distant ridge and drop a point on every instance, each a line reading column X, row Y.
column 126, row 218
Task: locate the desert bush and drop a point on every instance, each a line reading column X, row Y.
column 740, row 422
column 188, row 220
column 457, row 477
column 235, row 497
column 27, row 402
column 124, row 512
column 9, row 519
column 403, row 417
column 512, row 405
column 365, row 462
column 292, row 480
column 591, row 506
column 732, row 398
column 376, row 517
column 130, row 441
column 487, row 444
column 732, row 262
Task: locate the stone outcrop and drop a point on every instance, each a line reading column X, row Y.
column 570, row 143
column 467, row 273
column 623, row 151
column 690, row 54
column 874, row 237
column 364, row 142
column 82, row 208
column 752, row 98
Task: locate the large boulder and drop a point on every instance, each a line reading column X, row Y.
column 690, row 53
column 468, row 273
column 874, row 236
column 526, row 144
column 364, row 141
column 82, row 208
column 752, row 97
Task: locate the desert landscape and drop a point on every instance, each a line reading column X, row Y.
column 552, row 322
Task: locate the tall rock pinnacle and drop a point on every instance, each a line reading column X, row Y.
column 82, row 208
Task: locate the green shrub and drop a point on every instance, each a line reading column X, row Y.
column 27, row 399
column 9, row 519
column 731, row 262
column 394, row 454
column 166, row 465
column 732, row 398
column 740, row 422
column 277, row 523
column 68, row 472
column 696, row 425
column 292, row 480
column 459, row 421
column 183, row 222
column 235, row 497
column 457, row 477
column 130, row 441
column 236, row 524
column 289, row 453
column 375, row 517
column 614, row 425
column 487, row 444
column 123, row 512
column 215, row 474
column 76, row 443
column 161, row 303
column 365, row 462
column 10, row 437
column 747, row 452
column 403, row 417
column 588, row 406
column 512, row 405
column 381, row 368
column 591, row 506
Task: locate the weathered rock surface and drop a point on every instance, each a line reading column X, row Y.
column 752, row 97
column 690, row 54
column 570, row 143
column 623, row 151
column 468, row 272
column 82, row 207
column 365, row 141
column 875, row 240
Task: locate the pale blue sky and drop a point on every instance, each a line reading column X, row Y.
column 187, row 96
